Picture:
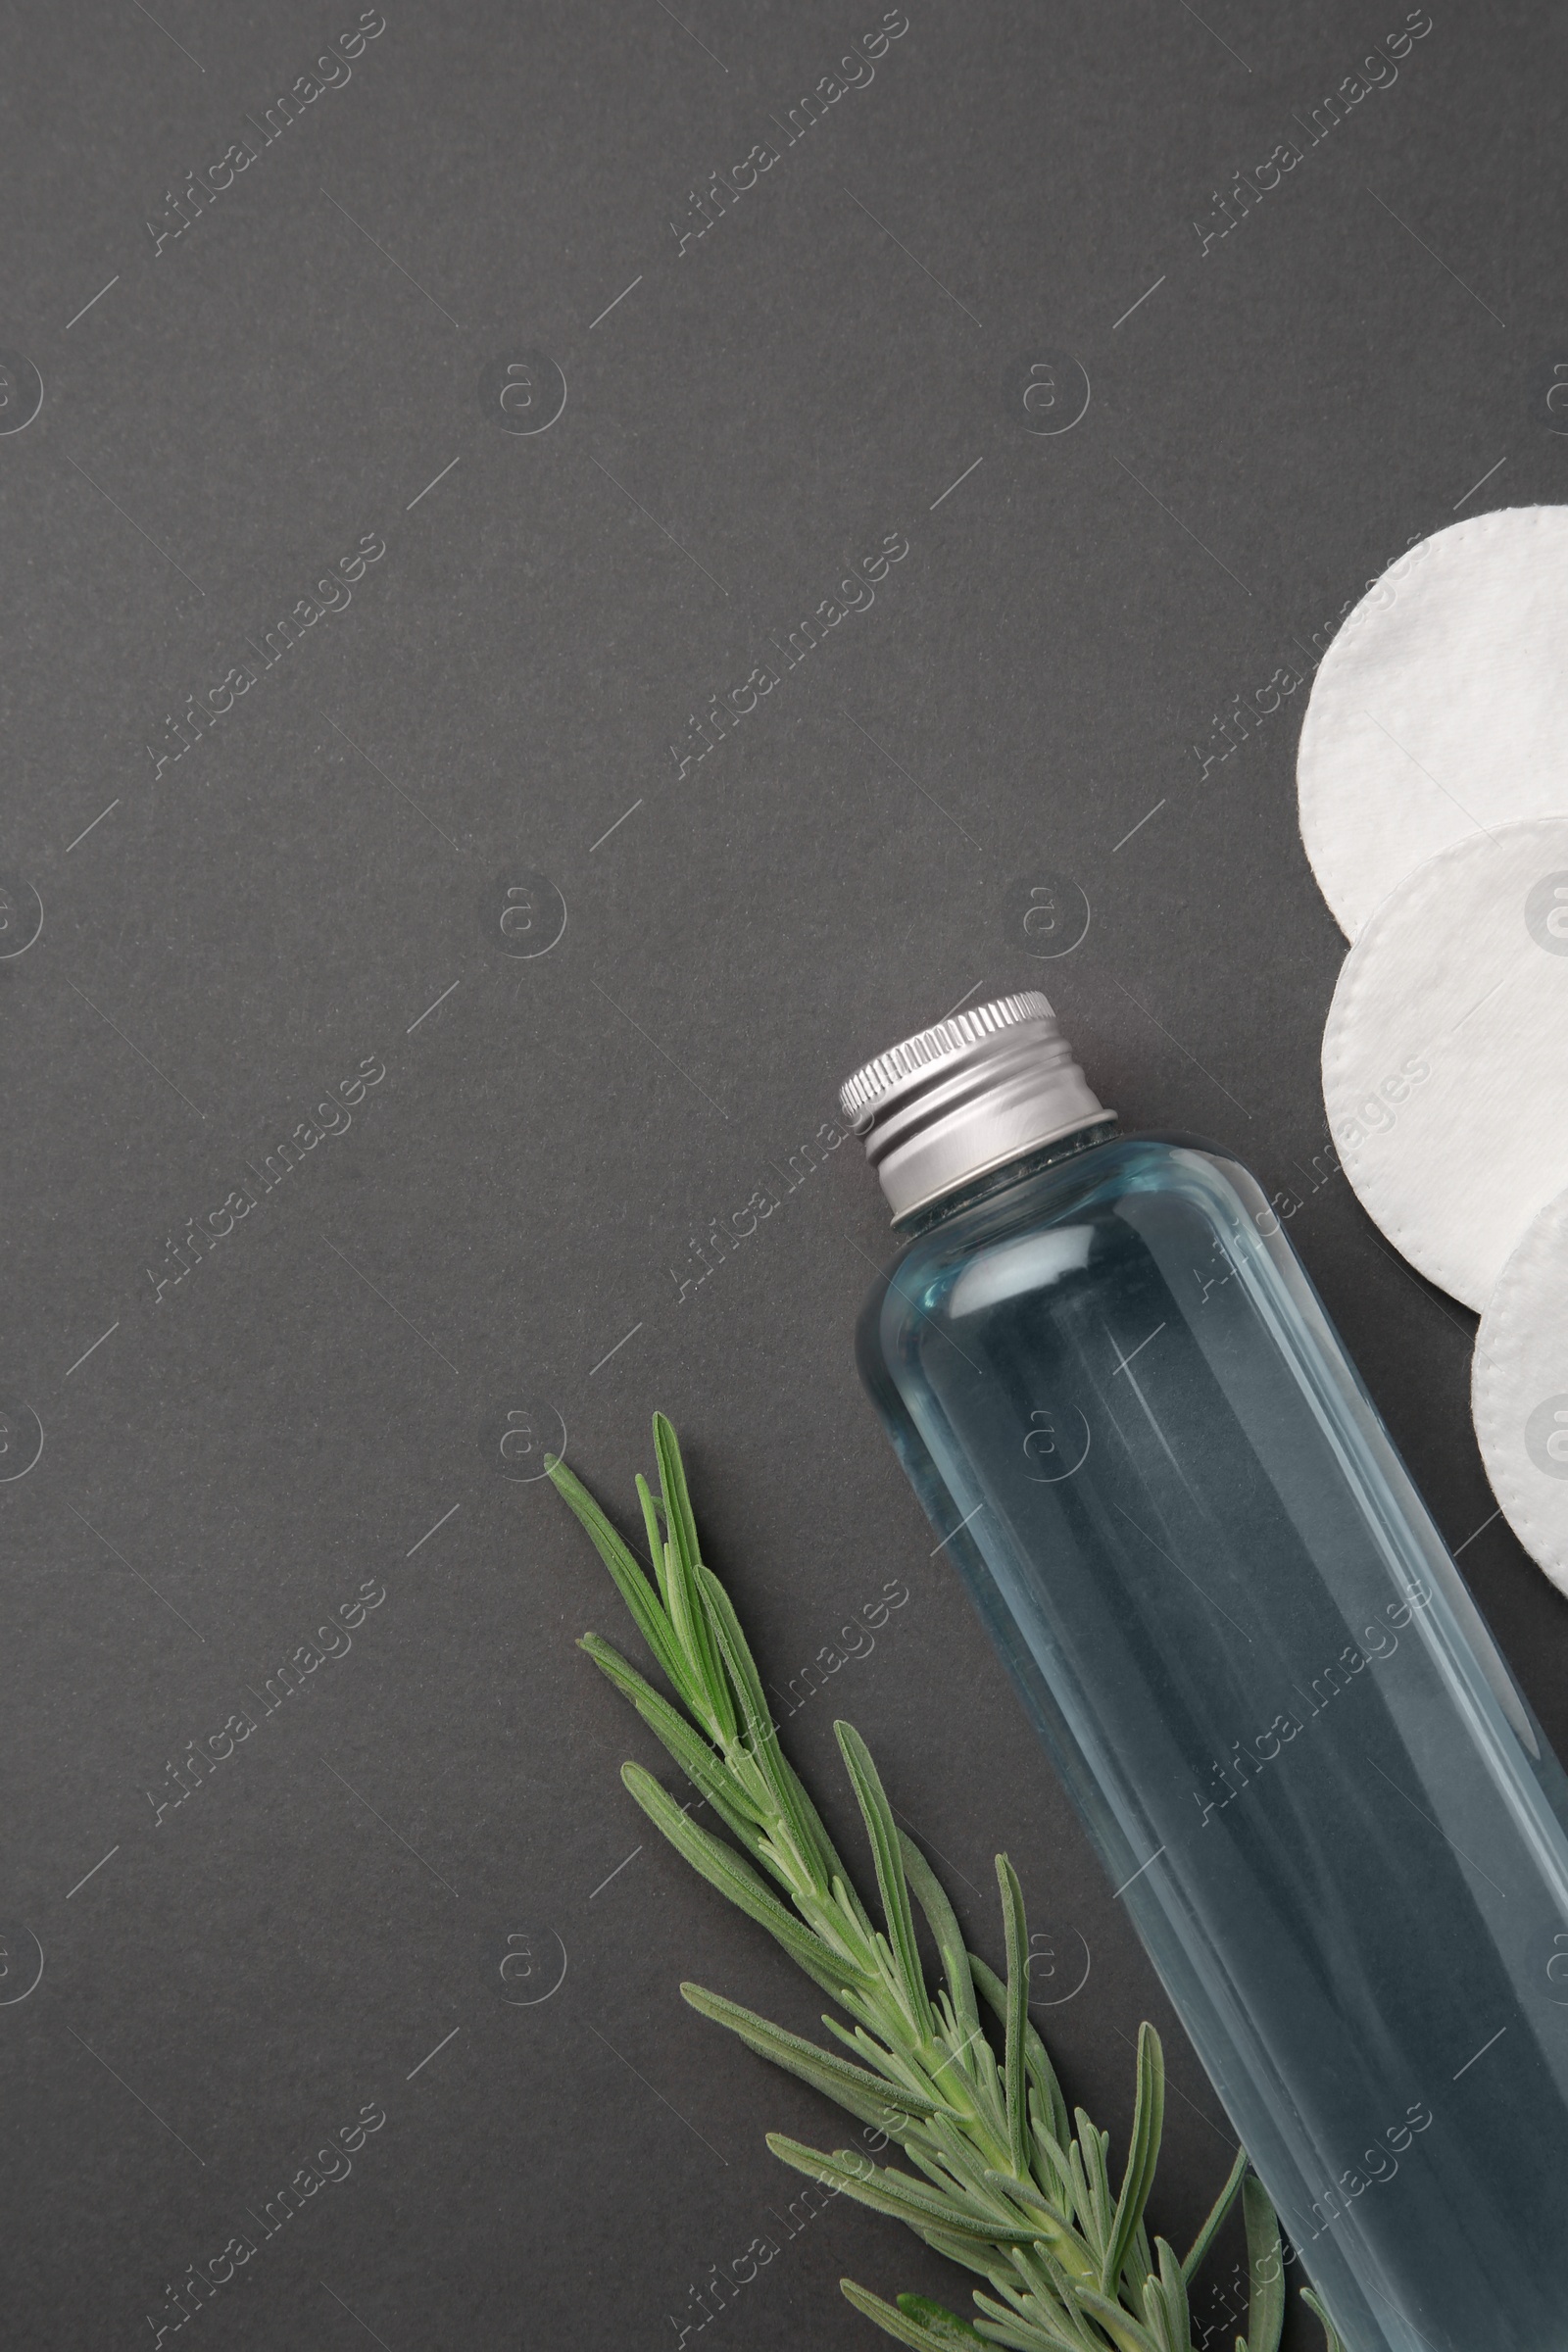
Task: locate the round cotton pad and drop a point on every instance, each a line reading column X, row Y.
column 1519, row 1390
column 1442, row 706
column 1444, row 1070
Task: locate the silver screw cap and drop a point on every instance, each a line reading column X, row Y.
column 967, row 1096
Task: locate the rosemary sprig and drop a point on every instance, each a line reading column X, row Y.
column 1005, row 2181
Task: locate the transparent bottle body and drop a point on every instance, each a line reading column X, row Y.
column 1330, row 1814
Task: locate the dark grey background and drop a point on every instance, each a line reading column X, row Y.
column 228, row 938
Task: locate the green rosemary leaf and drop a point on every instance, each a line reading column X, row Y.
column 656, row 1536
column 718, row 1705
column 937, row 2170
column 1125, row 2332
column 738, row 1809
column 993, row 1994
column 1172, row 2288
column 895, row 2193
column 800, row 1803
column 675, row 1495
column 931, row 1895
column 1092, row 2181
column 740, row 1882
column 631, row 1582
column 1059, row 2251
column 882, row 1831
column 899, row 2070
column 809, row 1838
column 1221, row 2206
column 736, row 1652
column 1068, row 2315
column 946, row 2326
column 920, row 2151
column 1022, row 2331
column 1009, row 2280
column 932, row 2151
column 1335, row 2342
column 986, row 2190
column 685, row 1606
column 866, row 2095
column 1265, row 2271
column 910, row 2323
column 1015, row 1932
column 1149, row 2122
column 966, row 2250
column 1054, row 2222
column 1050, row 2162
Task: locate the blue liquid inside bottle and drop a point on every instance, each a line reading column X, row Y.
column 1331, row 1816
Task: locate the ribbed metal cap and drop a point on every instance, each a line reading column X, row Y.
column 967, row 1095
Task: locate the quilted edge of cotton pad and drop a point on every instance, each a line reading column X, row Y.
column 1352, row 980
column 1317, row 837
column 1503, row 1327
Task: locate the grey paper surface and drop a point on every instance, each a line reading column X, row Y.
column 547, row 973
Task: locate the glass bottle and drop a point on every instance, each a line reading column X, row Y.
column 1330, row 1813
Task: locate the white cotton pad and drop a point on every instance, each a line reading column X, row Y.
column 1441, row 706
column 1445, row 1069
column 1519, row 1390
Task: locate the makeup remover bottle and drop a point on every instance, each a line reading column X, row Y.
column 1329, row 1812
